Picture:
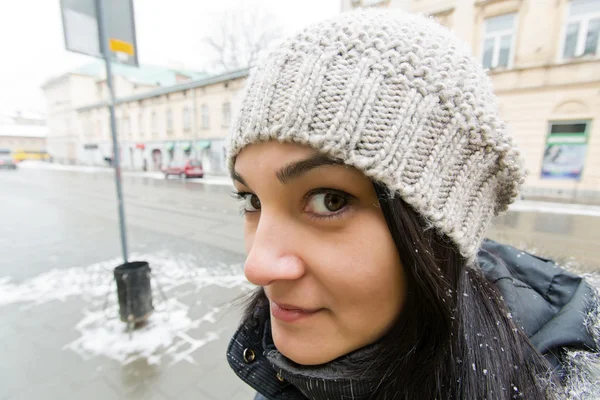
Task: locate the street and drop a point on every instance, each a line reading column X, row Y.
column 60, row 335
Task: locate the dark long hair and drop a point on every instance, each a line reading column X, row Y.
column 454, row 338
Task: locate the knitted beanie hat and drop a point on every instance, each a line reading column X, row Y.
column 398, row 97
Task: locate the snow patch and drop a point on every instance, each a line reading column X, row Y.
column 169, row 271
column 165, row 335
column 169, row 335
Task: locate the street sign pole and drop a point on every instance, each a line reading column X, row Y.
column 113, row 125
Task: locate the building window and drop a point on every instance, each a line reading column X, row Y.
column 119, row 127
column 443, row 18
column 154, row 122
column 141, row 123
column 582, row 29
column 498, row 41
column 566, row 146
column 226, row 114
column 187, row 119
column 89, row 132
column 368, row 3
column 205, row 118
column 169, row 121
column 126, row 128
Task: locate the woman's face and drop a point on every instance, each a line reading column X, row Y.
column 318, row 243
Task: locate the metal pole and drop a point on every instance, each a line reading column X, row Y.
column 113, row 125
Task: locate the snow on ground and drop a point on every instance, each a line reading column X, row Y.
column 166, row 336
column 96, row 281
column 207, row 180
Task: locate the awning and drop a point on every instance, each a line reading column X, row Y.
column 203, row 144
column 186, row 146
column 169, row 146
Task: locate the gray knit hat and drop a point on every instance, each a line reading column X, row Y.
column 398, row 97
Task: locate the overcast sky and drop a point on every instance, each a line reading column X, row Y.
column 169, row 32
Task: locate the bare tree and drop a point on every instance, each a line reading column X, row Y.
column 240, row 37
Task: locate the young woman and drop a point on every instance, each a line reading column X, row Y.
column 370, row 158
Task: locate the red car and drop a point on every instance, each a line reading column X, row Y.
column 184, row 169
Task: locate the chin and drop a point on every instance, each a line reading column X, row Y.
column 302, row 349
column 305, row 358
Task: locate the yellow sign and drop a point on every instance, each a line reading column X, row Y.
column 121, row 46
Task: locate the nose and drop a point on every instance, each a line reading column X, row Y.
column 272, row 255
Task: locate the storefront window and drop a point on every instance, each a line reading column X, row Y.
column 566, row 147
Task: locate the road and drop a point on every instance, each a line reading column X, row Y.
column 59, row 242
column 57, row 212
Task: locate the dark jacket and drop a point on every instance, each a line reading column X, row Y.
column 558, row 311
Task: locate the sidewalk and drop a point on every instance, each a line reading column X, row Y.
column 555, row 208
column 207, row 180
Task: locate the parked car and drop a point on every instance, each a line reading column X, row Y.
column 6, row 160
column 184, row 169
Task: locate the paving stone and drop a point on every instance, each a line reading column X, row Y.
column 220, row 383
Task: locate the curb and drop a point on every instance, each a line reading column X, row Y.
column 207, row 180
column 555, row 208
column 518, row 206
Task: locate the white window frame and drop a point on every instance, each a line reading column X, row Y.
column 204, row 116
column 583, row 30
column 187, row 119
column 126, row 127
column 226, row 116
column 497, row 37
column 169, row 123
column 119, row 124
column 154, row 122
column 370, row 3
column 141, row 123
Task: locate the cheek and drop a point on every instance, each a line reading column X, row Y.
column 361, row 272
column 250, row 225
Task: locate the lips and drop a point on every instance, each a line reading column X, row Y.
column 291, row 313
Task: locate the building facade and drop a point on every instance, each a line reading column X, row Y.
column 23, row 132
column 543, row 57
column 184, row 121
column 86, row 85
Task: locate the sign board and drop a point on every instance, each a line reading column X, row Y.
column 106, row 29
column 80, row 25
column 566, row 146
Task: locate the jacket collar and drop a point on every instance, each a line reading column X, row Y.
column 558, row 310
column 254, row 358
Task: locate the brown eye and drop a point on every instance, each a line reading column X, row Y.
column 251, row 203
column 334, row 202
column 255, row 202
column 327, row 203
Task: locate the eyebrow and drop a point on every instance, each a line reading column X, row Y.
column 237, row 177
column 296, row 169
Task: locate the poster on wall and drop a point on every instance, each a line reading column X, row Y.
column 564, row 156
